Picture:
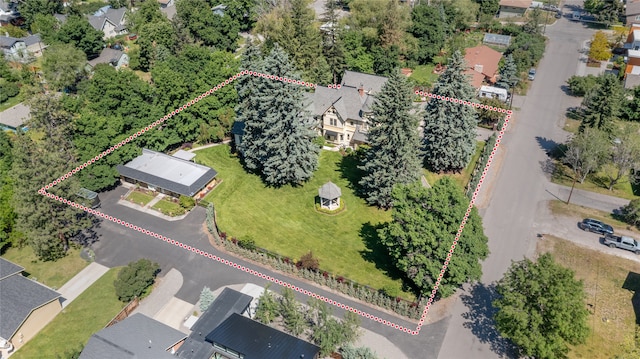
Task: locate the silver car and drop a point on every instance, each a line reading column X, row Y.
column 532, row 74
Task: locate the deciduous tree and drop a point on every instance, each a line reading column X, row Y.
column 625, row 155
column 599, row 49
column 7, row 214
column 429, row 27
column 394, row 156
column 450, row 129
column 63, row 66
column 204, row 25
column 541, row 308
column 586, row 152
column 30, row 8
column 419, row 237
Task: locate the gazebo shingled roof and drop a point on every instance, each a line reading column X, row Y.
column 329, row 190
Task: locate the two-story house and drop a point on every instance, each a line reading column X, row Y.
column 8, row 12
column 343, row 113
column 23, row 49
column 110, row 21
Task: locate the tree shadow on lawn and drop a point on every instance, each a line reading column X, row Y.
column 377, row 253
column 478, row 299
column 349, row 170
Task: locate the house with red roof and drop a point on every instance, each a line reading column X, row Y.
column 482, row 62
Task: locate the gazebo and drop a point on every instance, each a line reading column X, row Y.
column 329, row 195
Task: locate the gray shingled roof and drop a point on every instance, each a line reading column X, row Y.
column 257, row 341
column 8, row 268
column 32, row 39
column 169, row 11
column 372, row 83
column 4, row 6
column 168, row 172
column 106, row 56
column 114, row 16
column 15, row 116
column 19, row 297
column 138, row 337
column 7, row 41
column 329, row 190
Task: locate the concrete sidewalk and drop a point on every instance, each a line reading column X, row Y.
column 80, row 282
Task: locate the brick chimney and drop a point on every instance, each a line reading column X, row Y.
column 361, row 89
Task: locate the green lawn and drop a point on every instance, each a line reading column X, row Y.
column 52, row 274
column 169, row 208
column 139, row 198
column 461, row 178
column 284, row 220
column 597, row 182
column 423, row 75
column 87, row 314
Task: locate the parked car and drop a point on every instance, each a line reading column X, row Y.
column 532, row 74
column 622, row 242
column 595, row 226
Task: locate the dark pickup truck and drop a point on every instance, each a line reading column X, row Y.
column 623, row 242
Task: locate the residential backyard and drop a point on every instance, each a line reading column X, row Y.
column 87, row 314
column 51, row 274
column 284, row 220
column 610, row 283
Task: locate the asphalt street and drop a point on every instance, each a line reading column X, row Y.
column 519, row 187
column 118, row 246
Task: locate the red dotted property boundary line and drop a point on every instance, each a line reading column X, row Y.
column 44, row 191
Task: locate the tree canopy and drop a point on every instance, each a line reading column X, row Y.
column 419, row 237
column 63, row 66
column 541, row 308
column 599, row 49
column 449, row 128
column 78, row 32
column 202, row 24
column 603, row 104
column 394, row 155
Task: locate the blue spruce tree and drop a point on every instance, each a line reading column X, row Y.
column 450, row 128
column 394, row 156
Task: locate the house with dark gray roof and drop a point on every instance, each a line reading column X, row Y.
column 343, row 113
column 167, row 174
column 110, row 21
column 225, row 331
column 14, row 117
column 113, row 57
column 8, row 12
column 26, row 306
column 23, row 49
column 136, row 337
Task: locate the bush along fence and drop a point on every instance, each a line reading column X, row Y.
column 344, row 285
column 480, row 165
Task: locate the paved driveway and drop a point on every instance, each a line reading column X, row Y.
column 119, row 246
column 518, row 189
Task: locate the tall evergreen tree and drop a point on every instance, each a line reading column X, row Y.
column 394, row 156
column 291, row 154
column 508, row 73
column 250, row 110
column 419, row 237
column 603, row 104
column 450, row 128
column 48, row 225
column 7, row 214
column 333, row 50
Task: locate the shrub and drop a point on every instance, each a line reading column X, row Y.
column 247, row 243
column 308, row 261
column 581, row 85
column 390, row 290
column 187, row 202
column 631, row 212
column 206, row 298
column 135, row 278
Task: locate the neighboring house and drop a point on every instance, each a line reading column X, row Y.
column 514, row 8
column 632, row 70
column 224, row 330
column 632, row 12
column 113, row 57
column 8, row 12
column 110, row 21
column 14, row 117
column 137, row 336
column 169, row 11
column 482, row 62
column 172, row 175
column 23, row 49
column 165, row 3
column 633, row 39
column 26, row 306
